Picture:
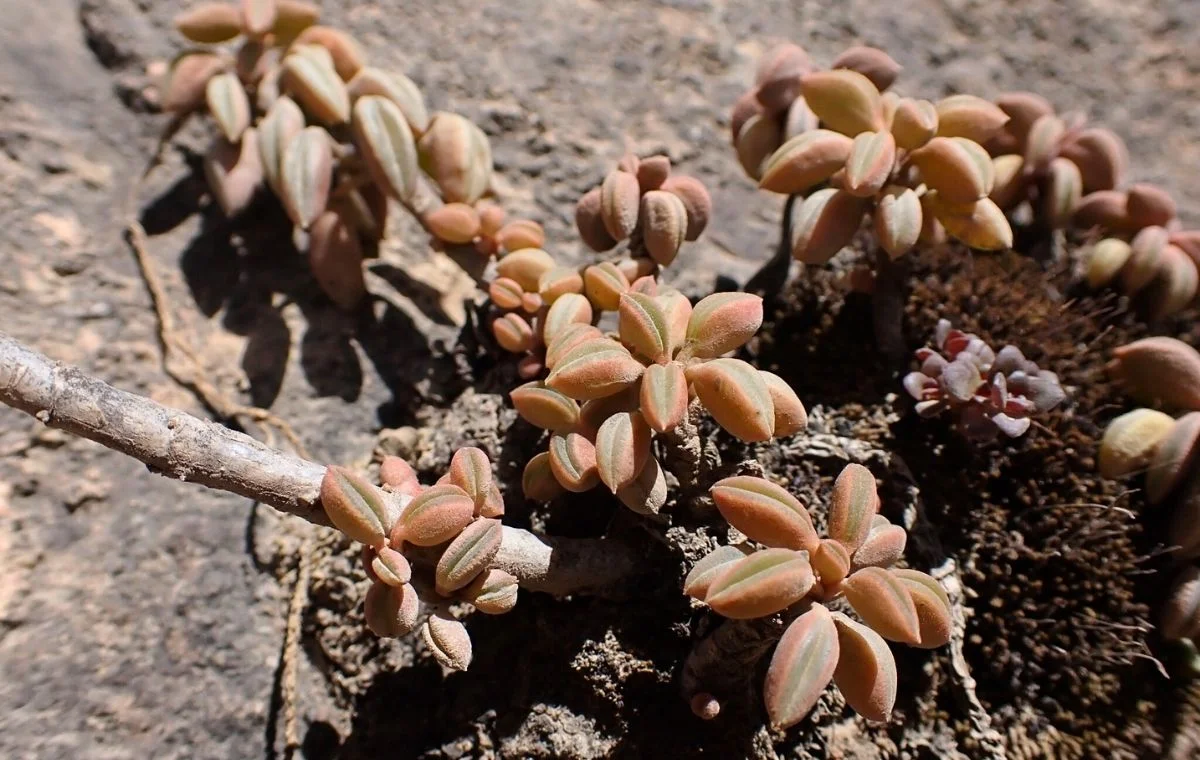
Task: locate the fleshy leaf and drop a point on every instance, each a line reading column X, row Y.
column 801, row 667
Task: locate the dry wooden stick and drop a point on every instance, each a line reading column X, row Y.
column 178, row 445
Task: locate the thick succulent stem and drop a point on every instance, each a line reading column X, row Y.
column 178, row 445
column 689, row 457
column 768, row 281
column 891, row 292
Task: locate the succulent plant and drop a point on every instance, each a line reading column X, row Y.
column 606, row 397
column 1159, row 370
column 535, row 299
column 915, row 167
column 1164, row 274
column 989, row 392
column 1052, row 162
column 642, row 202
column 299, row 111
column 458, row 515
column 800, row 574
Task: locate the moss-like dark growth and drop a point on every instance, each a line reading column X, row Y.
column 1058, row 561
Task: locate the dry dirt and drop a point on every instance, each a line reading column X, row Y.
column 141, row 617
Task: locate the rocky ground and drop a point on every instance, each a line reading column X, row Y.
column 141, row 617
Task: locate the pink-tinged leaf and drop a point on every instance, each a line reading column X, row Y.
column 493, row 592
column 210, row 23
column 866, row 670
column 762, row 584
column 933, row 607
column 917, row 384
column 1010, row 426
column 622, row 448
column 701, row 576
column 390, row 567
column 258, row 16
column 736, row 396
column 468, row 555
column 569, row 309
column 595, row 369
column 471, row 470
column 306, row 175
column 603, row 284
column 1159, row 369
column 883, row 546
column 391, row 611
column 592, row 414
column 644, row 328
column 558, row 282
column 514, row 333
column 928, row 408
column 434, row 516
column 493, row 503
column 870, row 163
column 831, row 561
column 855, row 501
column 765, row 512
column 884, row 603
column 506, row 293
column 573, row 462
column 1180, row 617
column 1175, row 457
column 804, row 161
column 790, row 415
column 723, row 322
column 961, row 379
column 538, row 482
column 526, row 267
column 399, row 476
column 801, row 668
column 355, row 507
column 825, row 223
column 448, row 641
column 678, row 310
column 647, row 494
column 571, row 336
column 545, row 407
column 664, row 396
